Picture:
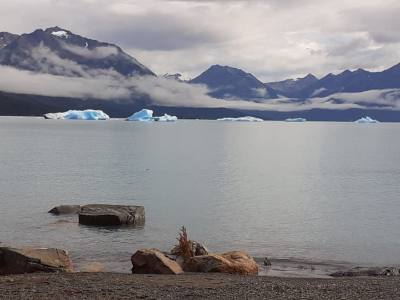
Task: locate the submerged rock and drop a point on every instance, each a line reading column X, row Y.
column 65, row 210
column 235, row 262
column 361, row 271
column 111, row 215
column 31, row 260
column 153, row 261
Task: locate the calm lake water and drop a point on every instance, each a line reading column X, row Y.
column 314, row 191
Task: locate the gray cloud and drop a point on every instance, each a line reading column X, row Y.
column 274, row 39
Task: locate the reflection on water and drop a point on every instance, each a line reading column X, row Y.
column 317, row 191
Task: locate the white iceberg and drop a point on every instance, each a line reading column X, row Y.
column 146, row 115
column 366, row 120
column 88, row 114
column 296, row 120
column 242, row 119
column 166, row 118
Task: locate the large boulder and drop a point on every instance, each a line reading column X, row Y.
column 111, row 215
column 361, row 271
column 235, row 262
column 65, row 209
column 153, row 261
column 31, row 260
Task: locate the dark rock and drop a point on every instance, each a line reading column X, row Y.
column 360, row 271
column 65, row 209
column 153, row 261
column 235, row 262
column 267, row 262
column 31, row 260
column 111, row 215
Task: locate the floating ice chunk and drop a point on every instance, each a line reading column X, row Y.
column 242, row 119
column 296, row 120
column 166, row 118
column 145, row 115
column 88, row 114
column 366, row 120
column 60, row 34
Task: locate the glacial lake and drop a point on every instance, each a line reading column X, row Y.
column 312, row 191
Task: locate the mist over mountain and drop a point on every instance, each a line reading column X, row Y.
column 56, row 69
column 292, row 87
column 60, row 52
column 6, row 38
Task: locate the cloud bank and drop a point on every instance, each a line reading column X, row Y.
column 273, row 39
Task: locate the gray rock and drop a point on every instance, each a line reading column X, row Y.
column 111, row 215
column 65, row 210
column 360, row 271
column 31, row 260
column 153, row 261
column 267, row 262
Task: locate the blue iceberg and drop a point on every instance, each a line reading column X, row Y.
column 367, row 120
column 241, row 119
column 296, row 120
column 88, row 114
column 146, row 115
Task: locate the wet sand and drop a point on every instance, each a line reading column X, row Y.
column 193, row 286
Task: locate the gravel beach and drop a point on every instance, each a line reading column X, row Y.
column 127, row 286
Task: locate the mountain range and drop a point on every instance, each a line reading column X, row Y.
column 60, row 52
column 54, row 51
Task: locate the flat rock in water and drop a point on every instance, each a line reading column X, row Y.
column 153, row 261
column 31, row 260
column 235, row 262
column 111, row 215
column 361, row 271
column 65, row 210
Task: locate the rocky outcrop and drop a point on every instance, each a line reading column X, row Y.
column 235, row 262
column 153, row 261
column 111, row 215
column 360, row 271
column 196, row 248
column 31, row 260
column 65, row 210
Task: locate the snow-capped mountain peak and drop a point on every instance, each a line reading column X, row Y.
column 59, row 51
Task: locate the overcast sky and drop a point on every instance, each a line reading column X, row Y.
column 273, row 39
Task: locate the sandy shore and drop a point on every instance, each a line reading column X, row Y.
column 127, row 286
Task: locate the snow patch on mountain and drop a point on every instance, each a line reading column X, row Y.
column 60, row 34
